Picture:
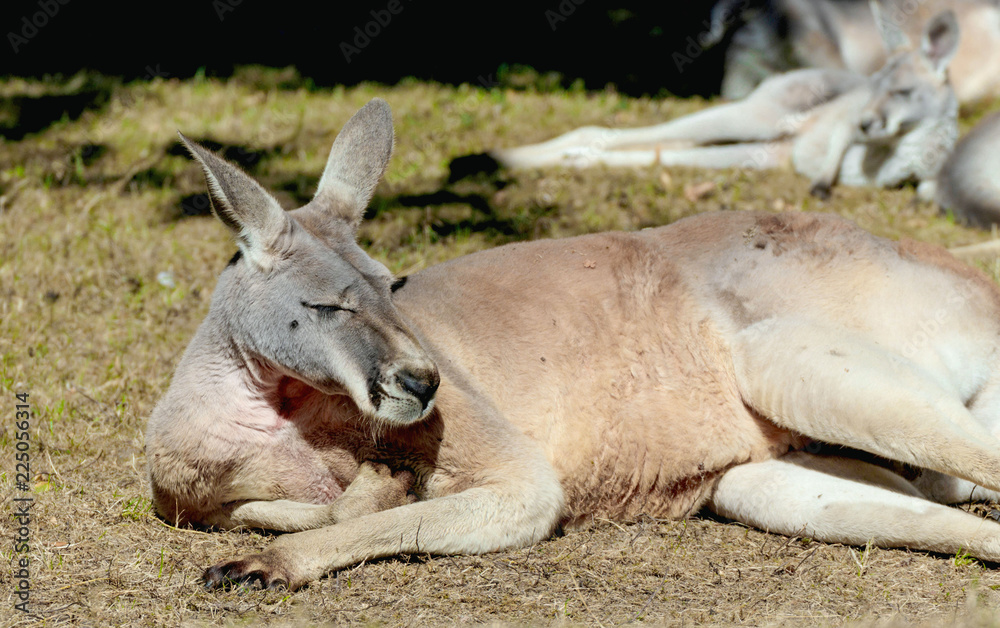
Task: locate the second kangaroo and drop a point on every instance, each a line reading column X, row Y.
column 894, row 127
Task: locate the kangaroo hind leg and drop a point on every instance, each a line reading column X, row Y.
column 839, row 500
column 838, row 386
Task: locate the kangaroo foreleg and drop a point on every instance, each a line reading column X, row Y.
column 837, row 143
column 517, row 500
column 374, row 489
column 475, row 521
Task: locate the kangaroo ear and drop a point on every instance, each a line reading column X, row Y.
column 357, row 162
column 254, row 216
column 940, row 41
column 893, row 37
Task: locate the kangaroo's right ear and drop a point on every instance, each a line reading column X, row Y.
column 893, row 37
column 254, row 216
column 357, row 162
column 940, row 41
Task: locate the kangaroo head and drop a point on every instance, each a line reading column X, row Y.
column 301, row 299
column 912, row 87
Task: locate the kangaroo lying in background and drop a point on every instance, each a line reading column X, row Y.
column 544, row 383
column 895, row 127
column 968, row 183
column 776, row 36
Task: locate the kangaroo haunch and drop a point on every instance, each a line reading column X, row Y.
column 541, row 383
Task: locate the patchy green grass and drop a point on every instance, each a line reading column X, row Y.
column 106, row 269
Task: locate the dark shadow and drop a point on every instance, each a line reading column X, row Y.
column 301, row 187
column 445, row 197
column 151, row 178
column 89, row 153
column 195, row 205
column 476, row 166
column 248, row 158
column 23, row 115
column 473, row 181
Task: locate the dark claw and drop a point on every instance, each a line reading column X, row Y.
column 260, row 569
column 228, row 575
column 820, row 191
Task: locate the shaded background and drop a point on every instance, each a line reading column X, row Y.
column 641, row 48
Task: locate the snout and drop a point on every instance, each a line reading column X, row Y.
column 405, row 393
column 421, row 384
column 870, row 124
column 876, row 126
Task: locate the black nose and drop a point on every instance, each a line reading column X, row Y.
column 866, row 124
column 421, row 385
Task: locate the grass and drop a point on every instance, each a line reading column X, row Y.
column 93, row 209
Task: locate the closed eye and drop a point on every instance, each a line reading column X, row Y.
column 326, row 310
column 905, row 92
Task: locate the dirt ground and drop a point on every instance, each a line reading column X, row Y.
column 107, row 262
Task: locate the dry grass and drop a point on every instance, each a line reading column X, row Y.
column 92, row 211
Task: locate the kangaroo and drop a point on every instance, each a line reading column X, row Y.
column 540, row 384
column 894, row 127
column 780, row 35
column 967, row 184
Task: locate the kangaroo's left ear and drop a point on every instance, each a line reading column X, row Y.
column 254, row 216
column 357, row 161
column 893, row 37
column 940, row 41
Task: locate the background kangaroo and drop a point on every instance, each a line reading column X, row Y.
column 542, row 383
column 891, row 128
column 968, row 183
column 776, row 36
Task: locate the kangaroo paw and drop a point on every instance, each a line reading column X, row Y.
column 267, row 570
column 380, row 487
column 820, row 190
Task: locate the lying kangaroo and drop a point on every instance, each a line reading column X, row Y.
column 781, row 35
column 541, row 384
column 895, row 127
column 968, row 184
